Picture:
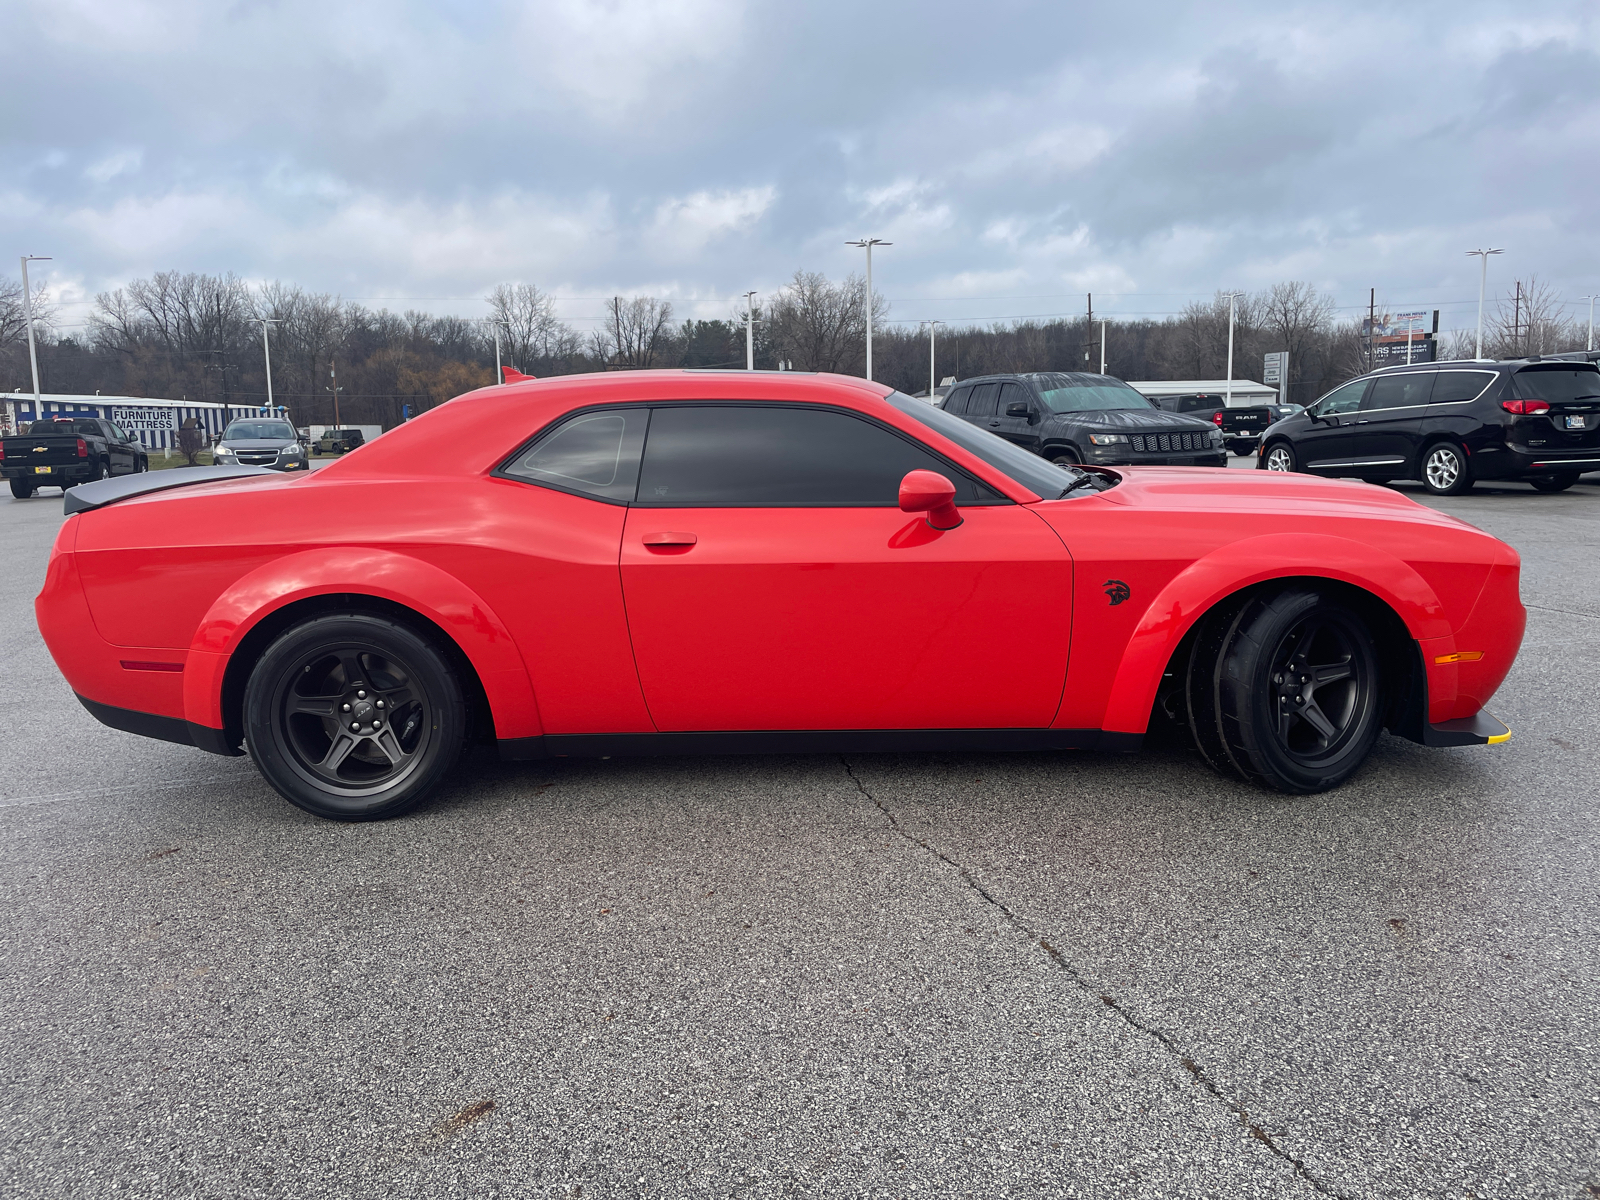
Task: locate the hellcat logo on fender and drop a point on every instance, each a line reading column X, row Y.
column 1116, row 591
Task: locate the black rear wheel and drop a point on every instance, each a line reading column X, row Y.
column 22, row 489
column 1558, row 482
column 355, row 717
column 1285, row 691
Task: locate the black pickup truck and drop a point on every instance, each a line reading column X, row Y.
column 1241, row 425
column 67, row 451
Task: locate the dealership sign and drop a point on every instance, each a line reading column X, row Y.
column 146, row 420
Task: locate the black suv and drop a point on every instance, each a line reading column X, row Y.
column 1449, row 424
column 1075, row 417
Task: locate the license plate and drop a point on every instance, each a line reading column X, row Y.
column 1576, row 422
column 43, row 470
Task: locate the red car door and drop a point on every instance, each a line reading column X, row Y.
column 772, row 582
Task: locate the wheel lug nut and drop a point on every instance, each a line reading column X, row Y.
column 377, row 724
column 346, row 708
column 355, row 725
column 361, row 695
column 380, row 703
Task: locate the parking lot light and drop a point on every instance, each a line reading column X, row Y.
column 932, row 328
column 1591, row 300
column 868, row 244
column 33, row 356
column 749, row 331
column 1483, row 278
column 1227, row 396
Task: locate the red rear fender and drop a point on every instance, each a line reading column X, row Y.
column 386, row 574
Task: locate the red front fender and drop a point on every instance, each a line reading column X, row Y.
column 1239, row 565
column 385, row 574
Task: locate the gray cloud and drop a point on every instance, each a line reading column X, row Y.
column 1017, row 154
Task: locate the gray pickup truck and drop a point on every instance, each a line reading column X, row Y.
column 67, row 451
column 1241, row 425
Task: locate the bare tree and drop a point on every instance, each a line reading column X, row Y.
column 1529, row 320
column 13, row 326
column 1294, row 316
column 531, row 335
column 635, row 331
column 822, row 326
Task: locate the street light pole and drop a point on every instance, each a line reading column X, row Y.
column 1227, row 398
column 1591, row 300
column 1483, row 279
column 1102, row 347
column 749, row 331
column 27, row 317
column 266, row 352
column 932, row 327
column 869, row 243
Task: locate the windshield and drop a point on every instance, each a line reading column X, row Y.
column 1032, row 472
column 1558, row 383
column 43, row 428
column 241, row 431
column 1067, row 392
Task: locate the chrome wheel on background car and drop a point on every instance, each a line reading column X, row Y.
column 1445, row 471
column 1280, row 458
column 1285, row 691
column 354, row 717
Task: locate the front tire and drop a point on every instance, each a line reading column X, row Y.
column 1280, row 457
column 354, row 717
column 1285, row 691
column 1446, row 470
column 1064, row 458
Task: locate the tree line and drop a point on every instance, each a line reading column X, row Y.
column 199, row 337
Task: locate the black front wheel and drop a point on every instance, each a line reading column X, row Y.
column 1280, row 457
column 354, row 718
column 1285, row 690
column 1446, row 470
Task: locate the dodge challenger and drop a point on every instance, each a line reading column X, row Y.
column 705, row 562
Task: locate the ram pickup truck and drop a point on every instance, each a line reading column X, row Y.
column 1241, row 424
column 67, row 451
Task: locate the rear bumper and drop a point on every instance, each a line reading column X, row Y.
column 1515, row 462
column 57, row 476
column 165, row 729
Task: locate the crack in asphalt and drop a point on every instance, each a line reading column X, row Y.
column 1166, row 1040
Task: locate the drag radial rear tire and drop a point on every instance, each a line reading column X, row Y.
column 354, row 717
column 1285, row 691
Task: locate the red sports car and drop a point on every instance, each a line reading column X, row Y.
column 693, row 562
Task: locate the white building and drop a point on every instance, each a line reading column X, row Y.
column 1246, row 393
column 154, row 422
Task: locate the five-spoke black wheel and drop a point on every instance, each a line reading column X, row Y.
column 354, row 717
column 1284, row 690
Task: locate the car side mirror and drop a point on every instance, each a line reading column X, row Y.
column 1018, row 410
column 930, row 493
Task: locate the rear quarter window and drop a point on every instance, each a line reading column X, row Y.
column 1557, row 384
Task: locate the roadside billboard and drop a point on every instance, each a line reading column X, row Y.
column 145, row 420
column 1398, row 338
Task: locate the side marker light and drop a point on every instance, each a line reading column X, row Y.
column 1459, row 656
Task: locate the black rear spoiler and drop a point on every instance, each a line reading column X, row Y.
column 87, row 496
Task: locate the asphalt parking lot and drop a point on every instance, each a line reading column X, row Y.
column 932, row 975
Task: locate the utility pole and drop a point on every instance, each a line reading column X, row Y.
column 333, row 387
column 1372, row 327
column 1088, row 328
column 868, row 244
column 1483, row 276
column 932, row 326
column 750, row 333
column 1591, row 300
column 27, row 318
column 1227, row 397
column 499, row 375
column 1516, row 319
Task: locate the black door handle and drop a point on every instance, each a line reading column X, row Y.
column 994, row 424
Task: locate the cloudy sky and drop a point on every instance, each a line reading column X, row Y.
column 1017, row 154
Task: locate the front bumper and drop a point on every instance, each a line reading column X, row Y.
column 1118, row 456
column 281, row 463
column 1480, row 729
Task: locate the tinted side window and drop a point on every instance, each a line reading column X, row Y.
column 1012, row 393
column 1344, row 399
column 772, row 455
column 983, row 400
column 1400, row 391
column 957, row 401
column 593, row 453
column 1195, row 403
column 1453, row 386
